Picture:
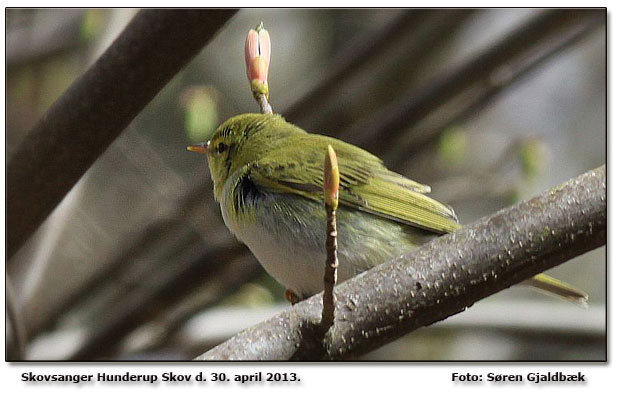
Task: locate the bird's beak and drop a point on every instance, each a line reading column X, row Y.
column 201, row 148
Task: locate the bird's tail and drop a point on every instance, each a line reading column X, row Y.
column 549, row 285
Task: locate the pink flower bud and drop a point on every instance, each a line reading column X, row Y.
column 258, row 54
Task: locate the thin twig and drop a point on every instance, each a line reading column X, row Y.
column 331, row 185
column 441, row 278
column 265, row 107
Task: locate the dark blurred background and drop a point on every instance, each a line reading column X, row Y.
column 489, row 107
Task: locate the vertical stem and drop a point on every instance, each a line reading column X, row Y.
column 330, row 279
column 331, row 185
column 265, row 107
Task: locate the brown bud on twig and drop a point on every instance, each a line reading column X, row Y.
column 331, row 178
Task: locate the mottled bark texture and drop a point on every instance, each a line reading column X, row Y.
column 331, row 187
column 439, row 279
column 85, row 120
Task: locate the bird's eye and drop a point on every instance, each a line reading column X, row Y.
column 221, row 147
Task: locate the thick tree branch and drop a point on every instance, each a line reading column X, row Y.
column 439, row 279
column 96, row 108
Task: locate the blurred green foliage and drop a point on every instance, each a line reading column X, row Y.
column 453, row 146
column 92, row 25
column 201, row 116
column 533, row 157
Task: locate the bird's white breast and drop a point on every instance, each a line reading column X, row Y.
column 287, row 235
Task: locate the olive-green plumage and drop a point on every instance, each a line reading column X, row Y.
column 267, row 176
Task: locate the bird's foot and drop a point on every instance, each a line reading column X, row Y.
column 291, row 297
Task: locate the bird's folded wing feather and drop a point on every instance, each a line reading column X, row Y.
column 365, row 184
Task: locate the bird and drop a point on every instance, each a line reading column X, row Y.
column 267, row 178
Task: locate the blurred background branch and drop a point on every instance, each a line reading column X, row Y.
column 28, row 43
column 415, row 107
column 16, row 330
column 96, row 109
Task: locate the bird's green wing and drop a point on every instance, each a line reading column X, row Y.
column 365, row 184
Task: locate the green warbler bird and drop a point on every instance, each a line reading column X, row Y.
column 267, row 176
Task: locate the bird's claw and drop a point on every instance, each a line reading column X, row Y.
column 291, row 297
